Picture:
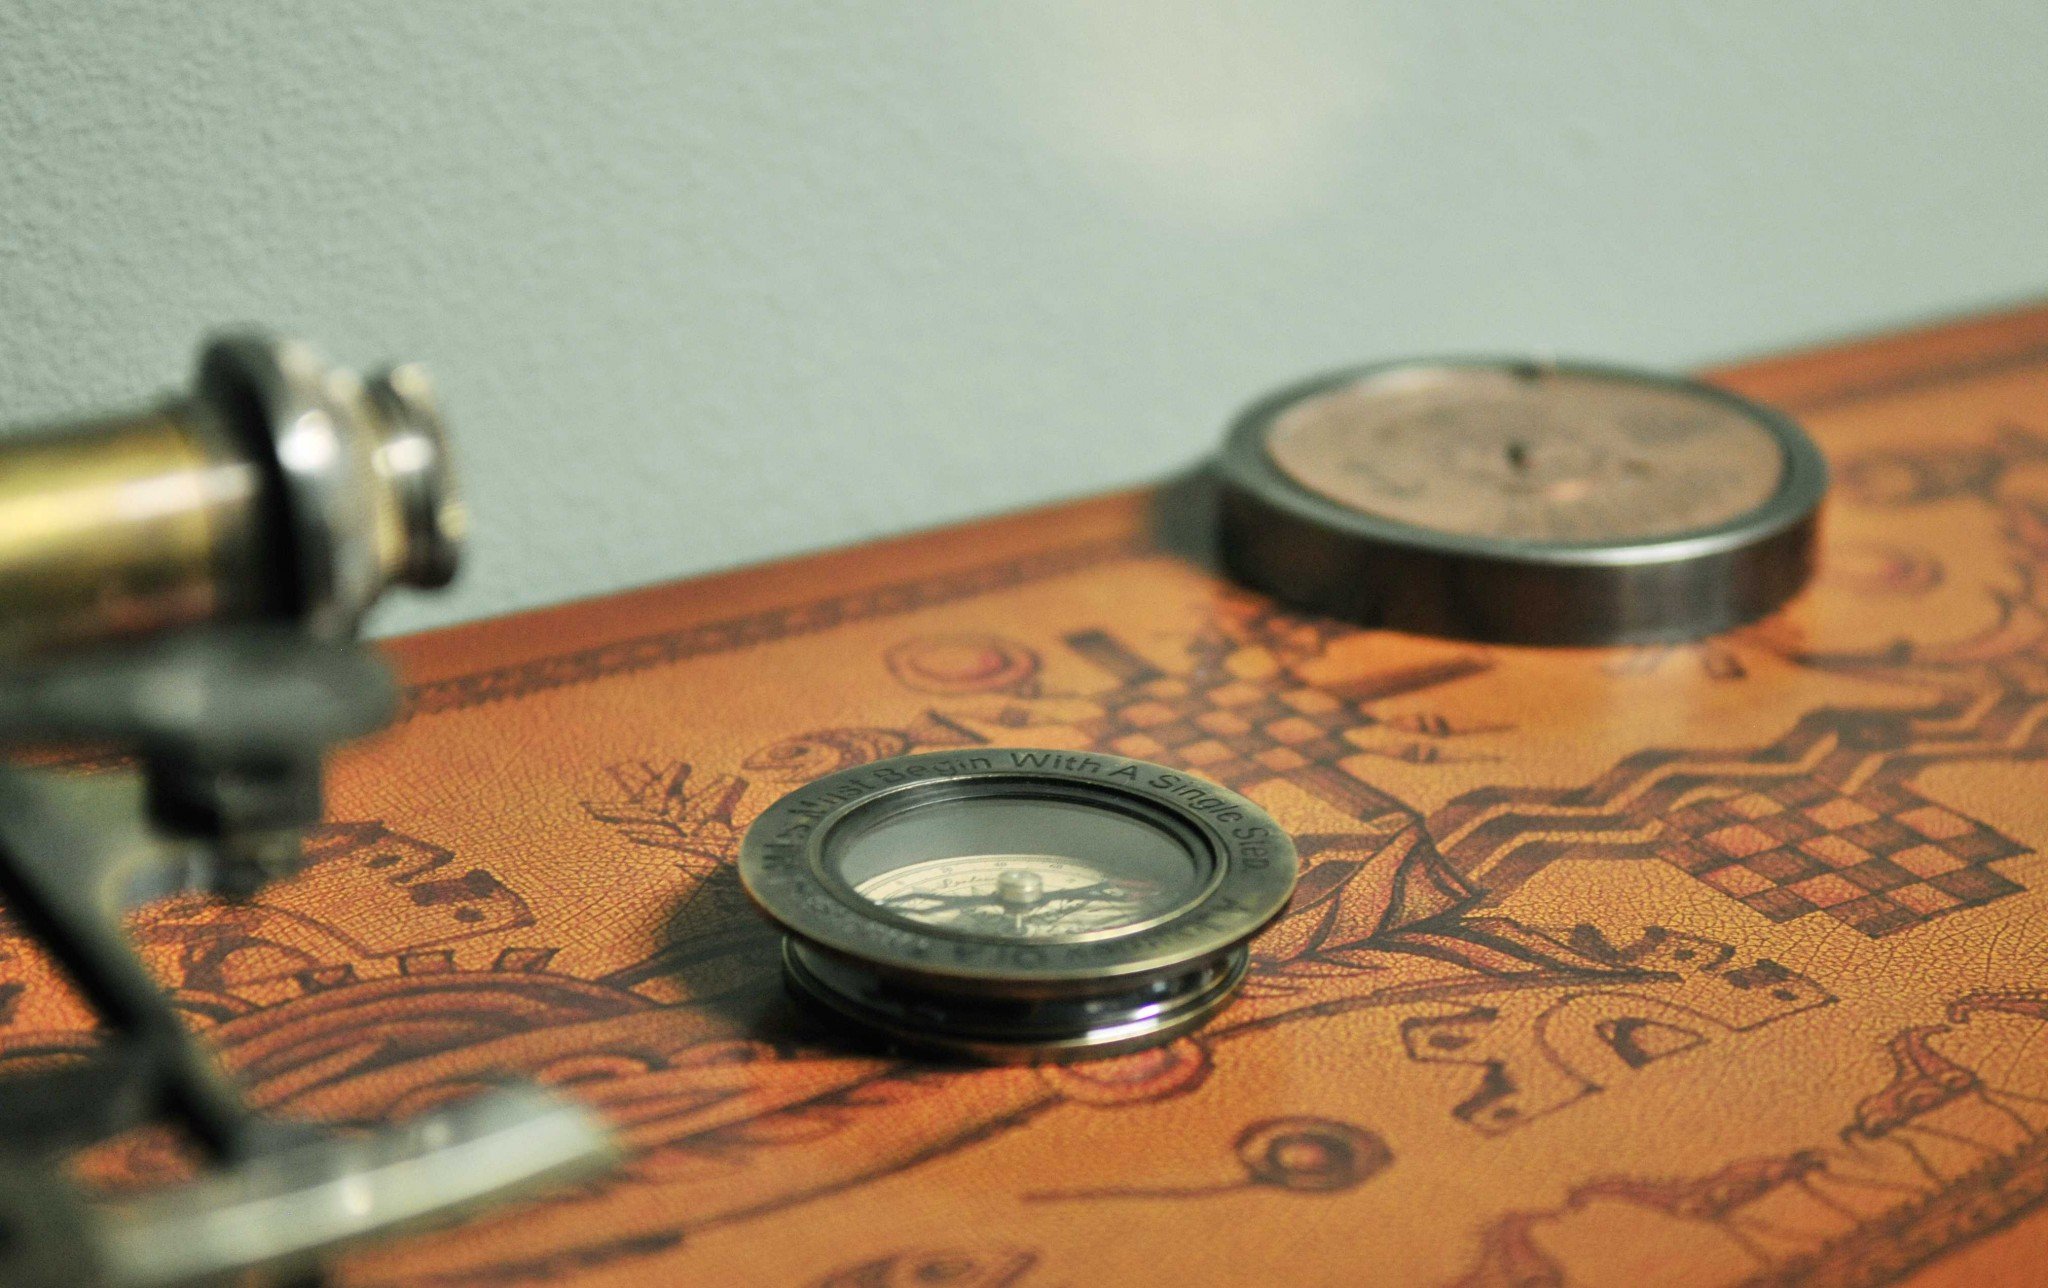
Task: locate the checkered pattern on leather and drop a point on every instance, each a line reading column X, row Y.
column 1234, row 731
column 1882, row 859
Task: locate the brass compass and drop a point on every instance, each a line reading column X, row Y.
column 1017, row 905
column 1521, row 502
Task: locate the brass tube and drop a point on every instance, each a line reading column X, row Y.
column 122, row 527
column 279, row 488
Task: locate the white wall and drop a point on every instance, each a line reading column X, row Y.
column 710, row 283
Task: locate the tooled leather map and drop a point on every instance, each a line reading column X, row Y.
column 1713, row 964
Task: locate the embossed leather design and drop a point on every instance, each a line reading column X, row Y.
column 1705, row 965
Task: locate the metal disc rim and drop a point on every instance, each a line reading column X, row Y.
column 1246, row 464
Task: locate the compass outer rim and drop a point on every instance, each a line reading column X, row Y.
column 960, row 1037
column 1256, row 871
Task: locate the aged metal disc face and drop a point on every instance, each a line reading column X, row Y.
column 1529, row 454
column 1018, row 905
column 1520, row 502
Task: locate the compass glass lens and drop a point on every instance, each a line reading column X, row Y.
column 1019, row 864
column 1530, row 453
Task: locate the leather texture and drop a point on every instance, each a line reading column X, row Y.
column 1703, row 965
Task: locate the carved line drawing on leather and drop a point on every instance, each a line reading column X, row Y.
column 987, row 1267
column 1873, row 568
column 1943, row 1153
column 374, row 1039
column 956, row 664
column 367, row 893
column 1541, row 1053
column 1821, row 821
column 665, row 806
column 823, row 751
column 1538, row 1043
column 1242, row 732
column 1907, row 477
column 1201, row 711
column 1824, row 820
column 1298, row 1154
column 543, row 1268
column 737, row 634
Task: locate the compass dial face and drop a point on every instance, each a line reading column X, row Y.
column 1018, row 896
column 1020, row 867
column 1529, row 454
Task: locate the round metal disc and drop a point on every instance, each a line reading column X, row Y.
column 1018, row 905
column 1519, row 502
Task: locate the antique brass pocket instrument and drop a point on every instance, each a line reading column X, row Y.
column 179, row 591
column 1521, row 502
column 1014, row 905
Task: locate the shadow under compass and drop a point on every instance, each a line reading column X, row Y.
column 727, row 963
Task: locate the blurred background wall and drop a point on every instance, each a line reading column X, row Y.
column 709, row 283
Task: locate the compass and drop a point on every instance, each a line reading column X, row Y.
column 1548, row 503
column 1017, row 905
column 1023, row 895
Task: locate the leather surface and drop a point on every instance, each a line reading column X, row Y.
column 1699, row 965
